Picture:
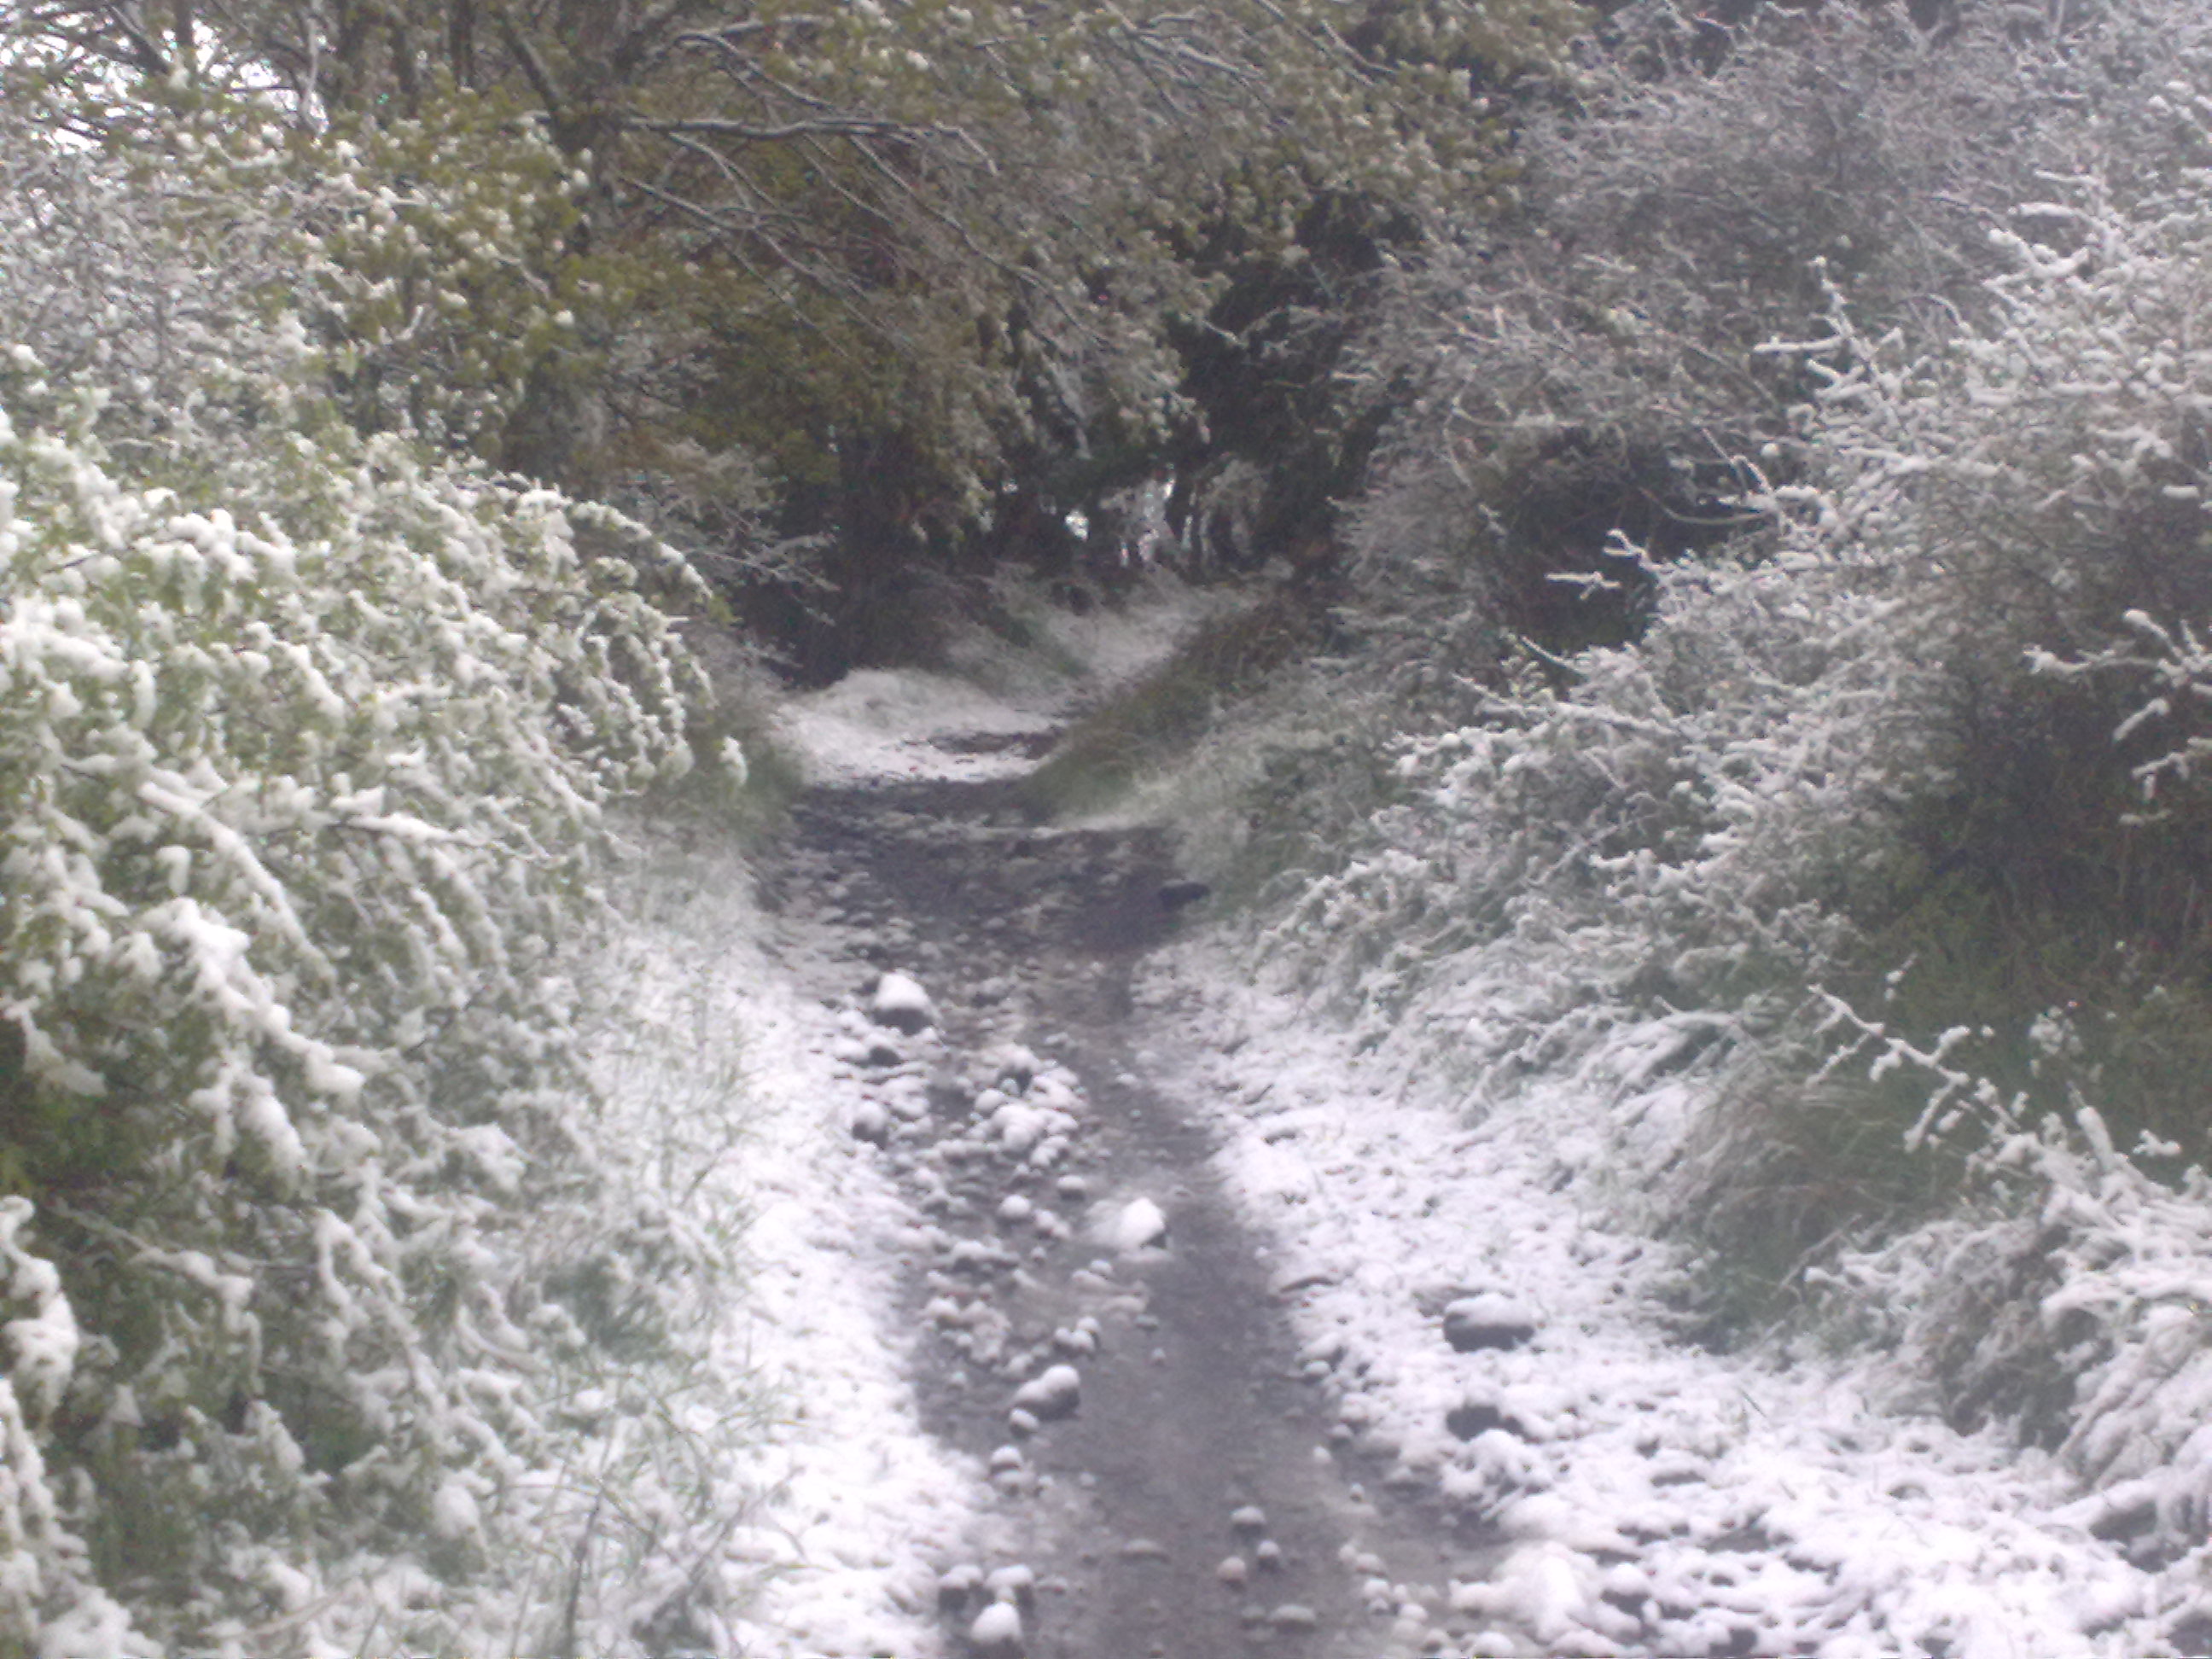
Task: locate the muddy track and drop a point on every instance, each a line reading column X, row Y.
column 1171, row 1478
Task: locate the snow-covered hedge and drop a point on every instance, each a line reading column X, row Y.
column 1893, row 811
column 303, row 774
column 320, row 1287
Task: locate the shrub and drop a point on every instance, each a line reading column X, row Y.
column 303, row 776
column 1900, row 791
column 1164, row 713
column 308, row 732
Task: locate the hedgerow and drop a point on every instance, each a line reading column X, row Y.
column 1886, row 814
column 310, row 728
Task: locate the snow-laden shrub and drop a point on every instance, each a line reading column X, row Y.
column 1900, row 801
column 1821, row 727
column 421, row 264
column 1588, row 368
column 303, row 753
column 336, row 1318
column 1708, row 790
column 1591, row 367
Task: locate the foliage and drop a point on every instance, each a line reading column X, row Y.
column 1886, row 811
column 942, row 268
column 302, row 803
column 309, row 728
column 1589, row 368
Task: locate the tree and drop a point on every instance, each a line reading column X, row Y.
column 923, row 258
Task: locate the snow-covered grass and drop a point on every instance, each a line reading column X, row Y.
column 831, row 1503
column 1035, row 649
column 1156, row 716
column 879, row 723
column 1022, row 679
column 1659, row 1497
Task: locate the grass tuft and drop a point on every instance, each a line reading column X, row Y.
column 1163, row 714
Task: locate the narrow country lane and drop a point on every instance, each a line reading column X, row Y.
column 1100, row 1329
column 1213, row 1327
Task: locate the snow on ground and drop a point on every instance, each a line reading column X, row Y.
column 844, row 1504
column 885, row 723
column 865, row 1501
column 892, row 724
column 1660, row 1498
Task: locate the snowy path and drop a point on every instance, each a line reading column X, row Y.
column 1228, row 1335
column 1106, row 1338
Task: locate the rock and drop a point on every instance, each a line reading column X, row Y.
column 1471, row 1420
column 998, row 1628
column 1250, row 1518
column 901, row 1003
column 1015, row 1583
column 1012, row 1067
column 871, row 1123
column 1053, row 1394
column 1268, row 1554
column 1181, row 895
column 1490, row 1320
column 1291, row 1279
column 1140, row 1226
column 1293, row 1616
column 956, row 1585
column 1022, row 1420
column 950, row 1095
column 1232, row 1571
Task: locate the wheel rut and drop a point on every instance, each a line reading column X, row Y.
column 1097, row 1324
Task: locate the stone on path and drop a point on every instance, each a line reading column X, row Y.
column 1490, row 1320
column 1140, row 1226
column 901, row 1003
column 1054, row 1392
column 998, row 1628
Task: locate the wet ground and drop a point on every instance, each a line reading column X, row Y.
column 1099, row 1327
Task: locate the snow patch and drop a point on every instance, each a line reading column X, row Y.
column 1138, row 1224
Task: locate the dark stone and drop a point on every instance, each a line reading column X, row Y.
column 1489, row 1320
column 2119, row 1526
column 948, row 1095
column 1468, row 1421
column 1181, row 895
column 909, row 1020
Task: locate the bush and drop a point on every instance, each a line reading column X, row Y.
column 1899, row 791
column 308, row 735
column 303, row 777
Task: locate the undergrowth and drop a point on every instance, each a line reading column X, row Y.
column 1143, row 727
column 1852, row 859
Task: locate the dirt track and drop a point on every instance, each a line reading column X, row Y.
column 1198, row 1501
